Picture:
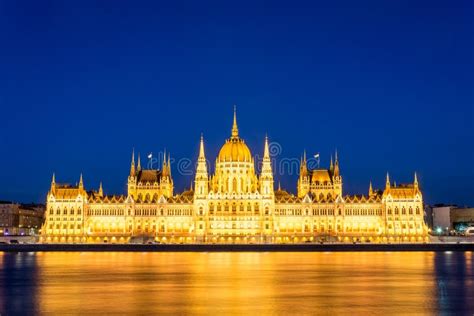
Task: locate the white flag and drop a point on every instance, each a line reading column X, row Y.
column 316, row 156
column 150, row 155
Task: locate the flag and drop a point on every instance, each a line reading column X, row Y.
column 316, row 156
column 150, row 155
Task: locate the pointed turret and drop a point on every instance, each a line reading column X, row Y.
column 387, row 182
column 53, row 183
column 201, row 179
column 101, row 191
column 164, row 167
column 415, row 181
column 303, row 180
column 266, row 176
column 235, row 129
column 266, row 150
column 331, row 166
column 81, row 183
column 132, row 164
column 336, row 166
column 202, row 166
column 371, row 191
column 139, row 164
column 304, row 166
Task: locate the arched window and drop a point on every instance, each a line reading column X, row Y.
column 417, row 210
column 234, row 185
column 65, row 211
column 389, row 212
column 396, row 210
column 404, row 212
column 410, row 211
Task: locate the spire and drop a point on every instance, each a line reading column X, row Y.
column 53, row 183
column 331, row 166
column 279, row 186
column 303, row 166
column 415, row 182
column 266, row 176
column 266, row 151
column 201, row 178
column 336, row 165
column 235, row 129
column 201, row 169
column 371, row 191
column 101, row 191
column 81, row 183
column 201, row 148
column 139, row 165
column 163, row 167
column 132, row 164
column 266, row 162
column 387, row 182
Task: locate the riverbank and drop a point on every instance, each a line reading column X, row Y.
column 236, row 248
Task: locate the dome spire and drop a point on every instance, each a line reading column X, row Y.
column 235, row 129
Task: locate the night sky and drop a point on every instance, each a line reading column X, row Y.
column 387, row 83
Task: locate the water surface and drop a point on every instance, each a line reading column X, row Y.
column 237, row 283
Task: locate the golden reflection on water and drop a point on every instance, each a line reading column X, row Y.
column 238, row 283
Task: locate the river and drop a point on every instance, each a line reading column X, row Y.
column 237, row 283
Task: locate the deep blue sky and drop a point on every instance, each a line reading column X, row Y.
column 387, row 83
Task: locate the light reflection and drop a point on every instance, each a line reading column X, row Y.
column 237, row 283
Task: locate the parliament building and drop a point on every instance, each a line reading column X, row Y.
column 234, row 205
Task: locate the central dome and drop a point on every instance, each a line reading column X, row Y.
column 235, row 148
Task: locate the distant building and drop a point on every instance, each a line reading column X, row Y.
column 461, row 218
column 20, row 219
column 448, row 218
column 441, row 219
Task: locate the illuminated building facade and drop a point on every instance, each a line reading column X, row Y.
column 234, row 205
